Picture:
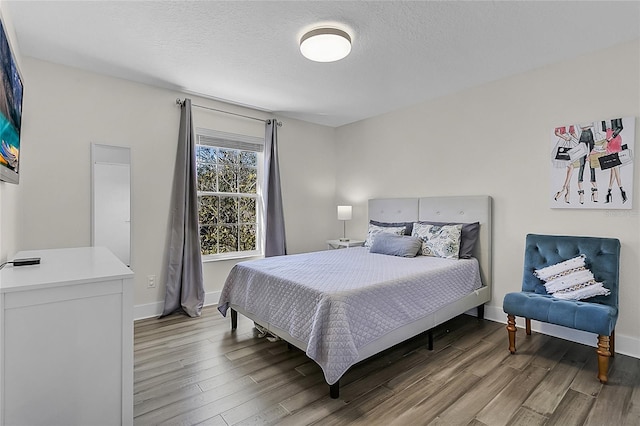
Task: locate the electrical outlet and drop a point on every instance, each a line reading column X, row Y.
column 151, row 281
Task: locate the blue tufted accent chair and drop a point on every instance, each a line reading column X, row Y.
column 595, row 315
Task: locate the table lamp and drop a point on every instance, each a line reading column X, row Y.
column 344, row 214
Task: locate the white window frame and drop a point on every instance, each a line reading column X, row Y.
column 246, row 143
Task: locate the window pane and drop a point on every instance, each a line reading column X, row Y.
column 247, row 209
column 247, row 180
column 228, row 212
column 206, row 154
column 228, row 179
column 208, row 210
column 228, row 156
column 248, row 158
column 208, row 240
column 247, row 237
column 228, row 241
column 206, row 177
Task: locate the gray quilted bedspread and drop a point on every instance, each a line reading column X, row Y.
column 337, row 301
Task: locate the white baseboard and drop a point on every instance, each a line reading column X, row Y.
column 624, row 344
column 151, row 310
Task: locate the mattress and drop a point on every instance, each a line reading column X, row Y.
column 338, row 301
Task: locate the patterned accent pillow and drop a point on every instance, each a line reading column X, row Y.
column 439, row 240
column 571, row 280
column 375, row 230
column 468, row 237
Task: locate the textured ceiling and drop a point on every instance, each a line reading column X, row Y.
column 246, row 52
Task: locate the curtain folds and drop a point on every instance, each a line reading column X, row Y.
column 275, row 241
column 185, row 284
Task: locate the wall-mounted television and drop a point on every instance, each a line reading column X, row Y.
column 10, row 111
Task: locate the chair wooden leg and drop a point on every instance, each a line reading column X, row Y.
column 603, row 358
column 527, row 324
column 511, row 328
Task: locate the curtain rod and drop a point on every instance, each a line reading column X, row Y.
column 278, row 123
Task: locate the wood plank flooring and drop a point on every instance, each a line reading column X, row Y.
column 197, row 372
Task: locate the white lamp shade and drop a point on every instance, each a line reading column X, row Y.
column 325, row 45
column 344, row 212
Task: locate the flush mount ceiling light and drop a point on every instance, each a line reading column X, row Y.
column 325, row 44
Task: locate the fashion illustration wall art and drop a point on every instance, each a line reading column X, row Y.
column 592, row 164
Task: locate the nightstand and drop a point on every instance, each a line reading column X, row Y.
column 336, row 244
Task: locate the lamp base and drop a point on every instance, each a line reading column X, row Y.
column 343, row 240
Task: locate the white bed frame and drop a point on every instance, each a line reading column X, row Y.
column 459, row 209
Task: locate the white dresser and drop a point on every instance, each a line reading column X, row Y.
column 66, row 339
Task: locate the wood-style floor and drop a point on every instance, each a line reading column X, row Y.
column 196, row 371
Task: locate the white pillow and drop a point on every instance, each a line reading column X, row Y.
column 584, row 291
column 375, row 230
column 439, row 240
column 561, row 268
column 571, row 280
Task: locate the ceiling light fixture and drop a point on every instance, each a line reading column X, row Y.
column 325, row 44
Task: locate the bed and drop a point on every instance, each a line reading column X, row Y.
column 344, row 306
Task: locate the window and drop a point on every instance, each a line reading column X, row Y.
column 229, row 174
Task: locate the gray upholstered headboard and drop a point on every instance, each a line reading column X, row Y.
column 460, row 209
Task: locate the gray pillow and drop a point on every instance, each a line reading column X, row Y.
column 468, row 238
column 396, row 245
column 408, row 226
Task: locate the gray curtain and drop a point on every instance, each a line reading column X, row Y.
column 185, row 285
column 275, row 242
